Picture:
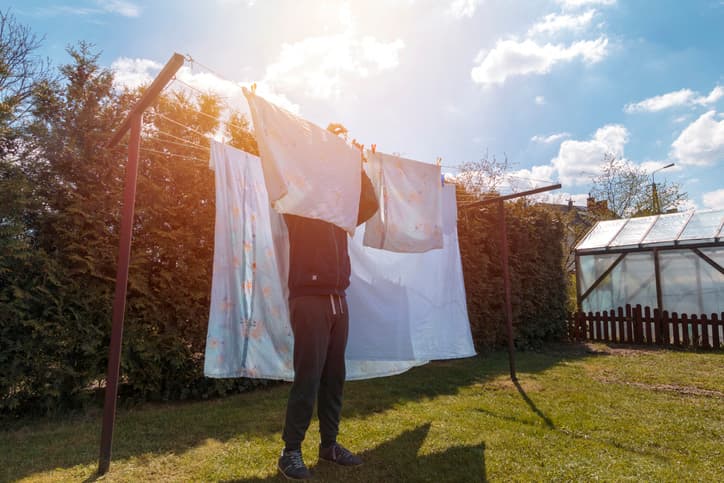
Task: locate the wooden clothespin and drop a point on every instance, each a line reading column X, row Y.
column 253, row 88
column 438, row 161
column 374, row 148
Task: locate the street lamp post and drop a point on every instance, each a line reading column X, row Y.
column 656, row 208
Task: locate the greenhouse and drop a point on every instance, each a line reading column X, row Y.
column 672, row 262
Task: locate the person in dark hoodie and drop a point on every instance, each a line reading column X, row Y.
column 319, row 271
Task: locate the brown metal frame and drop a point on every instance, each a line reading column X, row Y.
column 504, row 260
column 134, row 122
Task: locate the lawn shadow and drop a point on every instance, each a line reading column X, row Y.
column 532, row 405
column 178, row 427
column 571, row 434
column 399, row 460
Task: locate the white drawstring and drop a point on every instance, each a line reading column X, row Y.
column 334, row 307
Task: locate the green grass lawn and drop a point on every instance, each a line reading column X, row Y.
column 580, row 413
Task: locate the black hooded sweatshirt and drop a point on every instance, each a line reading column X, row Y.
column 318, row 257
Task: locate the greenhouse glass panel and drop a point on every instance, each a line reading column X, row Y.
column 667, row 227
column 633, row 232
column 715, row 253
column 632, row 282
column 601, row 234
column 704, row 225
column 593, row 266
column 689, row 284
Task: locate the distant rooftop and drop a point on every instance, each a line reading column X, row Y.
column 672, row 229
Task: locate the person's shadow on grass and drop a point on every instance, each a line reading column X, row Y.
column 399, row 460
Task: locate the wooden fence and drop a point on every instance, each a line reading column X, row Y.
column 637, row 325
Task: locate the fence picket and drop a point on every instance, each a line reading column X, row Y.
column 638, row 325
column 629, row 324
column 621, row 322
column 647, row 325
column 675, row 322
column 695, row 340
column 657, row 327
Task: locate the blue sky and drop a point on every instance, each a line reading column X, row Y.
column 551, row 84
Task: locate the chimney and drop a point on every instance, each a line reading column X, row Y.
column 590, row 202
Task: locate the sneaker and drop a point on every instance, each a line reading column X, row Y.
column 292, row 465
column 340, row 455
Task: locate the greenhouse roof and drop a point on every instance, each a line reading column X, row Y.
column 673, row 229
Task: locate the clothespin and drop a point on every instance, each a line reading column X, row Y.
column 253, row 88
column 374, row 148
column 438, row 161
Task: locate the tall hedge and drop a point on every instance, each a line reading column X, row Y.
column 538, row 284
column 59, row 234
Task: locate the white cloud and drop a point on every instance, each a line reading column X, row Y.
column 701, row 143
column 527, row 179
column 550, row 139
column 540, row 100
column 132, row 73
column 715, row 94
column 121, row 7
column 682, row 97
column 573, row 4
column 681, row 119
column 318, row 65
column 554, row 22
column 653, row 165
column 578, row 161
column 512, row 57
column 463, row 8
column 713, row 199
column 664, row 101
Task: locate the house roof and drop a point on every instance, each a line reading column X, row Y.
column 673, row 229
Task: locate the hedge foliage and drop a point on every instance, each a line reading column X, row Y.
column 59, row 217
column 538, row 282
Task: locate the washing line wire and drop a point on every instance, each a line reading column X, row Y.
column 237, row 126
column 176, row 79
column 189, row 128
column 196, row 62
column 184, row 143
column 155, row 151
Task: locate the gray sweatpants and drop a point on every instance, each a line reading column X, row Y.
column 320, row 324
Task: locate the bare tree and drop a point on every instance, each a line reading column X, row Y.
column 21, row 70
column 485, row 176
column 628, row 191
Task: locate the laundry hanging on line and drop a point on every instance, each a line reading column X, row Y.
column 300, row 159
column 249, row 332
column 410, row 214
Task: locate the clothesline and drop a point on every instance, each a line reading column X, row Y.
column 195, row 62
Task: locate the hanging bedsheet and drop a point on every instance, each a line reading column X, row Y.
column 410, row 215
column 405, row 309
column 300, row 159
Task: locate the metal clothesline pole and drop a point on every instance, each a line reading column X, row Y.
column 134, row 122
column 500, row 201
